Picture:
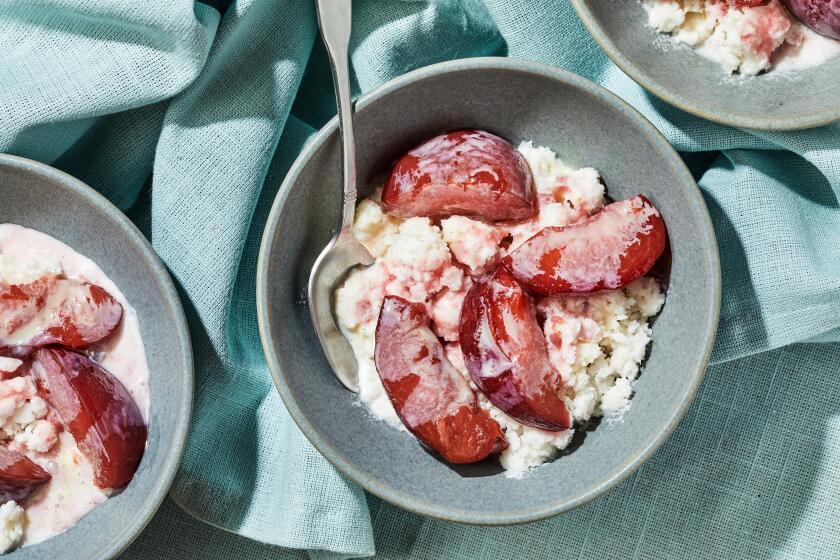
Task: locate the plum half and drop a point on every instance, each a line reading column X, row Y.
column 431, row 397
column 96, row 409
column 506, row 355
column 466, row 172
column 55, row 311
column 606, row 251
column 19, row 476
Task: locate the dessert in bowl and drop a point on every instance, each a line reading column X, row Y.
column 567, row 116
column 454, row 297
column 760, row 64
column 95, row 370
column 749, row 37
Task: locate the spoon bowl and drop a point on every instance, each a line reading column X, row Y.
column 332, row 265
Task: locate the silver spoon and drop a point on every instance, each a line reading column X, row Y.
column 343, row 251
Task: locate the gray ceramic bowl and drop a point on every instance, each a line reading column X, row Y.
column 40, row 197
column 519, row 100
column 683, row 78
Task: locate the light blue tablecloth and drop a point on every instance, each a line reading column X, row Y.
column 189, row 120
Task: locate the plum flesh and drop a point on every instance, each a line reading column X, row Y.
column 823, row 16
column 96, row 409
column 465, row 172
column 52, row 310
column 431, row 397
column 608, row 250
column 19, row 476
column 505, row 353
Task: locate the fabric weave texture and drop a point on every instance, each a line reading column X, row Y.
column 188, row 115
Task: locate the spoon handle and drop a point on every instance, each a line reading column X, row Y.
column 334, row 19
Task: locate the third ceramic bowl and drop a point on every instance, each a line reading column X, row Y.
column 678, row 75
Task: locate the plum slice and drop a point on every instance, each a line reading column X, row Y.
column 19, row 476
column 505, row 353
column 96, row 409
column 464, row 172
column 55, row 311
column 606, row 251
column 431, row 397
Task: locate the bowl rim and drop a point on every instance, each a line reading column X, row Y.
column 166, row 476
column 394, row 495
column 728, row 118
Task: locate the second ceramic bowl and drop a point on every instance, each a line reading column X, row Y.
column 681, row 77
column 37, row 196
column 519, row 100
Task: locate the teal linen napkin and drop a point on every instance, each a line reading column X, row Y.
column 188, row 120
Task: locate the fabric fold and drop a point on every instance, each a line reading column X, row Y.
column 66, row 62
column 215, row 163
column 189, row 121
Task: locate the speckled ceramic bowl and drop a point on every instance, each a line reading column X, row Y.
column 587, row 125
column 40, row 197
column 683, row 78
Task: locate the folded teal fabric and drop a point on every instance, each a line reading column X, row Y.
column 188, row 116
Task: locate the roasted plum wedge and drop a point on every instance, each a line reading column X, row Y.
column 505, row 353
column 608, row 250
column 466, row 172
column 431, row 397
column 54, row 310
column 96, row 409
column 19, row 476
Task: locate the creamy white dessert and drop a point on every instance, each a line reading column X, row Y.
column 28, row 425
column 742, row 39
column 597, row 342
column 11, row 525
